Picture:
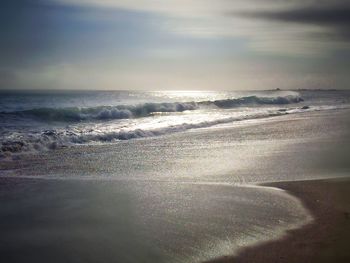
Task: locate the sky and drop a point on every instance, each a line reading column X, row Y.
column 174, row 44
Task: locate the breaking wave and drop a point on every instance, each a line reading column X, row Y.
column 31, row 136
column 253, row 100
column 104, row 112
column 74, row 114
column 53, row 139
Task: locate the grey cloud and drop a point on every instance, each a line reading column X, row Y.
column 319, row 16
column 333, row 18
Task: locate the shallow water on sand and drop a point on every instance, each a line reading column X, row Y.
column 109, row 221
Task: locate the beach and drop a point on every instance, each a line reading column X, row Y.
column 191, row 196
column 325, row 239
column 179, row 131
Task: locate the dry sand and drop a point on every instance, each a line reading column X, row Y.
column 326, row 239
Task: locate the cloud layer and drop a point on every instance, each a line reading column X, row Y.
column 308, row 26
column 174, row 44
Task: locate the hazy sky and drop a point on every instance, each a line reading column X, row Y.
column 174, row 44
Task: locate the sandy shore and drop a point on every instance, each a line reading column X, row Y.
column 324, row 240
column 96, row 220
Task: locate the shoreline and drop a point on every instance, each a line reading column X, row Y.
column 314, row 145
column 325, row 239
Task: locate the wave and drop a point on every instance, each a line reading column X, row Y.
column 254, row 100
column 75, row 114
column 53, row 139
column 104, row 112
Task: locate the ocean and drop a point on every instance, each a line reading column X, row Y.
column 34, row 121
column 131, row 176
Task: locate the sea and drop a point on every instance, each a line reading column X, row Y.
column 34, row 121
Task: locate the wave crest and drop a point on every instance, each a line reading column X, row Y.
column 74, row 114
column 105, row 112
column 52, row 139
column 251, row 100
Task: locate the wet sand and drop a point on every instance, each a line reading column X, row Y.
column 326, row 239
